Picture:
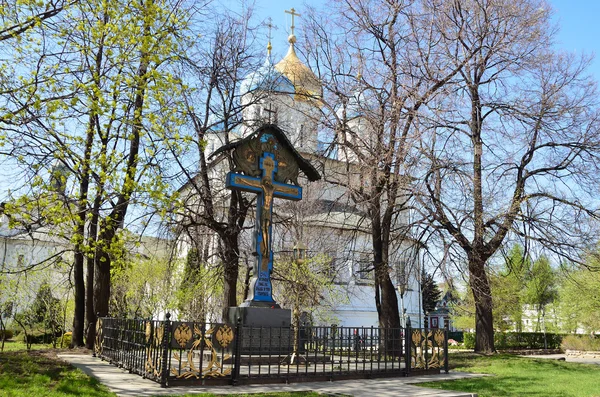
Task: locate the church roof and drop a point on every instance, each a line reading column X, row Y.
column 306, row 84
column 305, row 166
column 267, row 78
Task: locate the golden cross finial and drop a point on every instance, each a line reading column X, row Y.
column 293, row 13
column 269, row 24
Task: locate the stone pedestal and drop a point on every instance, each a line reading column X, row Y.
column 265, row 331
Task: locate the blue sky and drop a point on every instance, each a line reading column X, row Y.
column 578, row 21
column 579, row 28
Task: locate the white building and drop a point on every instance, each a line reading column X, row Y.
column 29, row 258
column 286, row 94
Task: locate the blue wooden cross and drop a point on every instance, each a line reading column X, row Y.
column 266, row 188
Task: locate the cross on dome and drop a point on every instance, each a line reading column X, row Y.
column 293, row 13
column 270, row 25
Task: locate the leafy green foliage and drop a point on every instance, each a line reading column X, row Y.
column 303, row 286
column 507, row 287
column 37, row 336
column 6, row 334
column 580, row 299
column 65, row 341
column 519, row 282
column 46, row 309
column 199, row 289
column 540, row 289
column 469, row 340
column 41, row 322
column 519, row 340
column 90, row 106
column 142, row 279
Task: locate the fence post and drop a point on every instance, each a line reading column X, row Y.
column 237, row 352
column 446, row 332
column 408, row 347
column 164, row 373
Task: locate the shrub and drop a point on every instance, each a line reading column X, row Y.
column 6, row 334
column 37, row 336
column 469, row 340
column 581, row 342
column 518, row 340
column 526, row 340
column 66, row 339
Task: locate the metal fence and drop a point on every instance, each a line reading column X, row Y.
column 176, row 352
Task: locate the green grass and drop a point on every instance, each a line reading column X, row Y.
column 12, row 346
column 519, row 376
column 31, row 374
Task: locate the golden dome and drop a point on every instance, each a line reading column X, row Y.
column 307, row 85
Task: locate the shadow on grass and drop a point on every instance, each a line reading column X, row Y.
column 25, row 364
column 26, row 373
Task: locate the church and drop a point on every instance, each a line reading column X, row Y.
column 326, row 221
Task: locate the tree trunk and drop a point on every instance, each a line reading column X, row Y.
column 79, row 256
column 102, row 275
column 389, row 316
column 90, row 313
column 90, row 310
column 79, row 313
column 230, row 270
column 484, row 325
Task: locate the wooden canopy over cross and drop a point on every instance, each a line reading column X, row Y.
column 264, row 164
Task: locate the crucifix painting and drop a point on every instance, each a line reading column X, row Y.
column 267, row 165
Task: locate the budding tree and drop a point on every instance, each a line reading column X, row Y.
column 511, row 150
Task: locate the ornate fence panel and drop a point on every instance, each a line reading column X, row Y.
column 179, row 352
column 201, row 352
column 136, row 345
column 428, row 349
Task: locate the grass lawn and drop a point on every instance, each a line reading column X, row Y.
column 33, row 373
column 519, row 376
column 11, row 346
column 37, row 373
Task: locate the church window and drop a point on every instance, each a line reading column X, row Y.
column 269, row 114
column 365, row 266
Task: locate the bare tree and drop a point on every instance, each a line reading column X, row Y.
column 208, row 215
column 511, row 152
column 379, row 70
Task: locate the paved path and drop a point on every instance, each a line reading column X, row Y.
column 570, row 359
column 125, row 384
